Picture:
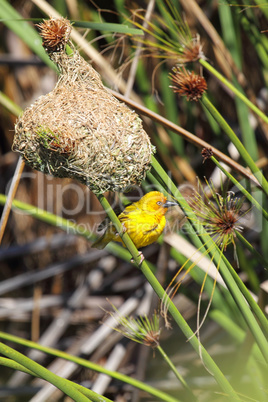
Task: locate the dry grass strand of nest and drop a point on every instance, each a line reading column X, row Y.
column 80, row 130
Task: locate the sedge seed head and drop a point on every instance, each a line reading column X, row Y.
column 55, row 34
column 142, row 329
column 188, row 84
column 207, row 153
column 160, row 31
column 219, row 215
column 192, row 50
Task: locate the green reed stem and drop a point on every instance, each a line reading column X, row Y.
column 253, row 251
column 94, row 397
column 92, row 366
column 243, row 289
column 11, row 106
column 206, row 358
column 237, row 143
column 230, row 277
column 67, row 225
column 234, row 89
column 254, row 306
column 252, row 303
column 44, row 373
column 190, row 396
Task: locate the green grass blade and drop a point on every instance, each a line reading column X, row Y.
column 44, row 373
column 206, row 358
column 250, row 25
column 108, row 27
column 169, row 100
column 229, row 85
column 263, row 6
column 228, row 274
column 233, row 43
column 237, row 143
column 87, row 392
column 90, row 365
column 10, row 105
column 64, row 224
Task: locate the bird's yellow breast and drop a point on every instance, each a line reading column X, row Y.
column 143, row 228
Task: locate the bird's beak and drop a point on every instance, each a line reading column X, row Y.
column 170, row 204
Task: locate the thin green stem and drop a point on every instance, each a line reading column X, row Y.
column 94, row 397
column 92, row 366
column 44, row 373
column 67, row 225
column 240, row 187
column 198, row 347
column 11, row 106
column 191, row 396
column 253, row 251
column 254, row 306
column 206, row 358
column 237, row 143
column 226, row 270
column 233, row 89
column 243, row 289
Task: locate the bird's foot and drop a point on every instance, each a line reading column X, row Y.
column 141, row 258
column 122, row 231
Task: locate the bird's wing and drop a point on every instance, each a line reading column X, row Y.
column 137, row 220
column 103, row 225
column 130, row 212
column 151, row 228
column 107, row 236
column 106, row 221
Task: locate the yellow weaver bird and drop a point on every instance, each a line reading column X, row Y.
column 144, row 221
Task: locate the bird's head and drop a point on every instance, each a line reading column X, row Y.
column 156, row 202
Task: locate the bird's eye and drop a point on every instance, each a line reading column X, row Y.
column 159, row 203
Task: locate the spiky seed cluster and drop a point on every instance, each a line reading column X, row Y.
column 188, row 84
column 184, row 49
column 79, row 130
column 141, row 329
column 192, row 50
column 207, row 153
column 219, row 216
column 55, row 34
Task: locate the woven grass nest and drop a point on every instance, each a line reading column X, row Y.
column 79, row 130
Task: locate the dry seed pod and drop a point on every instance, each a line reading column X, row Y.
column 80, row 130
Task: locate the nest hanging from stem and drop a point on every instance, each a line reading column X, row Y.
column 79, row 130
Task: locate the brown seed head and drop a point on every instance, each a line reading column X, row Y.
column 192, row 51
column 220, row 216
column 55, row 34
column 152, row 339
column 207, row 153
column 188, row 84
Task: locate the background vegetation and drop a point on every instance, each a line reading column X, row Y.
column 54, row 287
